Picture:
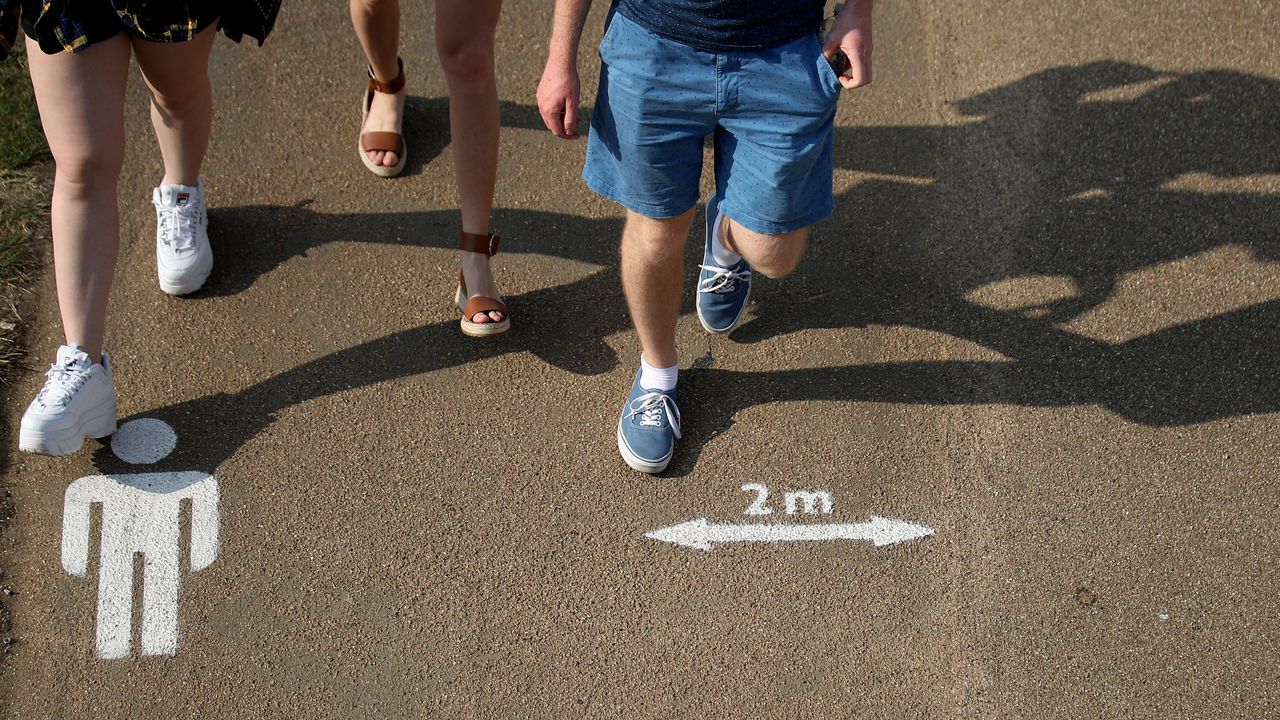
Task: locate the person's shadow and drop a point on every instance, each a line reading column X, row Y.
column 1086, row 174
column 426, row 126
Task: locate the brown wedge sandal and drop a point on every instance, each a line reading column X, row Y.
column 487, row 245
column 381, row 140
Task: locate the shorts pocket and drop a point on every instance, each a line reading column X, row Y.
column 827, row 75
column 610, row 35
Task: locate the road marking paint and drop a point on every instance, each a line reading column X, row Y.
column 815, row 502
column 139, row 515
column 143, row 441
column 759, row 506
column 702, row 535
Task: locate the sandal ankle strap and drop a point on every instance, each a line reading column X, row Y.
column 477, row 243
column 390, row 88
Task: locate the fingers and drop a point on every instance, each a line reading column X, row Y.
column 857, row 47
column 570, row 119
column 561, row 116
column 551, row 116
column 558, row 103
column 858, row 74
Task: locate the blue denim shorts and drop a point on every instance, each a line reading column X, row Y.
column 770, row 114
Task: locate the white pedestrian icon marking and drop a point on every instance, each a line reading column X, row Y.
column 140, row 516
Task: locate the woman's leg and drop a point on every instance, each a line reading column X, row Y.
column 81, row 101
column 177, row 74
column 377, row 24
column 464, row 38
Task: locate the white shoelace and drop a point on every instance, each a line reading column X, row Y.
column 650, row 407
column 178, row 225
column 723, row 280
column 62, row 384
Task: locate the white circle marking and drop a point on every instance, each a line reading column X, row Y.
column 143, row 441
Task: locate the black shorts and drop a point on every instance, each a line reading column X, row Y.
column 73, row 25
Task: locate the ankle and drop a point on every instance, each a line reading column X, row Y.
column 191, row 181
column 722, row 248
column 93, row 351
column 473, row 260
column 662, row 377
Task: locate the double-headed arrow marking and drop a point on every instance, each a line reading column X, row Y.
column 702, row 535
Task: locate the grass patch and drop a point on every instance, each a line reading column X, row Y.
column 21, row 139
column 24, row 195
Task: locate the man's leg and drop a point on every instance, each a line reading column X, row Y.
column 774, row 160
column 654, row 108
column 774, row 255
column 652, row 274
column 652, row 278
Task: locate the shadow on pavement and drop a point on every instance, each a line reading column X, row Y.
column 1082, row 175
column 426, row 126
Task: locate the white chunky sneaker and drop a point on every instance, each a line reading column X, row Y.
column 183, row 255
column 78, row 401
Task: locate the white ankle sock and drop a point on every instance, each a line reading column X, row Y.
column 723, row 256
column 652, row 378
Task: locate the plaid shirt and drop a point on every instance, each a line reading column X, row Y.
column 56, row 26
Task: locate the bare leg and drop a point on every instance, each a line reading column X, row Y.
column 773, row 255
column 177, row 74
column 653, row 280
column 464, row 37
column 377, row 24
column 81, row 101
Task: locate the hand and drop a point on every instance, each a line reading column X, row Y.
column 558, row 99
column 851, row 32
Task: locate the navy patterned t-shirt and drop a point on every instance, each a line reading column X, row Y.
column 726, row 24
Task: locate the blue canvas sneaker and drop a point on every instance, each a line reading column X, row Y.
column 648, row 428
column 722, row 291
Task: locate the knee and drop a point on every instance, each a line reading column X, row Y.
column 655, row 241
column 655, row 248
column 467, row 61
column 776, row 265
column 79, row 170
column 772, row 255
column 183, row 99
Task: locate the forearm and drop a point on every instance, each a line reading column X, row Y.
column 566, row 31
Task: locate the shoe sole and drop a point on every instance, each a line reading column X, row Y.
column 179, row 289
column 100, row 424
column 638, row 463
column 176, row 287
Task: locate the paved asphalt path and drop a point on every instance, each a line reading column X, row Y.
column 1043, row 322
